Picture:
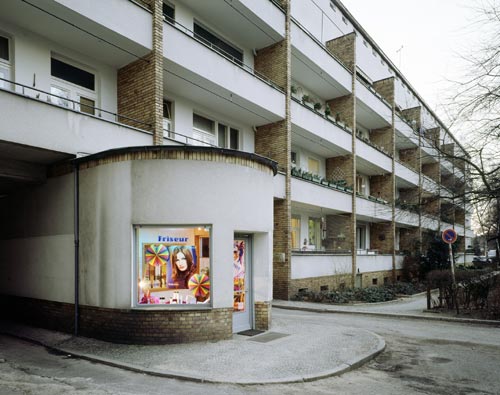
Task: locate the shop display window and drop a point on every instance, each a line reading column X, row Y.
column 172, row 265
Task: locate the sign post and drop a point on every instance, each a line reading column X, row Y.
column 449, row 236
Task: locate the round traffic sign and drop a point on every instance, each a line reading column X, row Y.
column 449, row 236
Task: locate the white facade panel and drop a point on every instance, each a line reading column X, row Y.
column 325, row 130
column 55, row 128
column 279, row 182
column 368, row 208
column 305, row 266
column 373, row 263
column 406, row 174
column 316, row 195
column 268, row 12
column 183, row 50
column 374, row 102
column 404, row 217
column 370, row 154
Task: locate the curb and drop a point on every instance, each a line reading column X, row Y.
column 391, row 315
column 338, row 370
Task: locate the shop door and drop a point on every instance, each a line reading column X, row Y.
column 242, row 303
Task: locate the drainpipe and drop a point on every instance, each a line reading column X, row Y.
column 77, row 241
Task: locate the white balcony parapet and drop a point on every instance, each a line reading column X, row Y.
column 405, row 129
column 405, row 217
column 271, row 15
column 373, row 263
column 373, row 209
column 318, row 124
column 429, row 185
column 319, row 265
column 320, row 196
column 407, row 174
column 71, row 131
column 374, row 101
column 219, row 72
column 374, row 156
column 311, row 48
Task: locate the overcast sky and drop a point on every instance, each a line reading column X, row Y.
column 433, row 34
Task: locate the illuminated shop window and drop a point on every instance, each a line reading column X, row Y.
column 172, row 265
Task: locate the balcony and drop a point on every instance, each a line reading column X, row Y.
column 315, row 67
column 405, row 135
column 305, row 265
column 371, row 209
column 314, row 194
column 376, row 162
column 407, row 174
column 62, row 129
column 373, row 111
column 373, row 263
column 429, row 222
column 406, row 217
column 113, row 39
column 206, row 75
column 310, row 124
column 430, row 186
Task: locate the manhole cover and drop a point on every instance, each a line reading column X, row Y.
column 268, row 337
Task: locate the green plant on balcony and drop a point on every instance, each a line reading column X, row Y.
column 293, row 89
column 328, row 112
column 317, row 106
column 306, row 99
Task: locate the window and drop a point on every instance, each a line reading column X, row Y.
column 168, row 12
column 204, row 132
column 361, row 237
column 361, row 184
column 314, row 233
column 313, row 165
column 72, row 87
column 4, row 61
column 167, row 259
column 168, row 117
column 295, row 232
column 374, row 281
column 293, row 158
column 218, row 44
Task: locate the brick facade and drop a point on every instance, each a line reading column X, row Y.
column 140, row 84
column 129, row 326
column 343, row 109
column 382, row 237
column 271, row 63
column 409, row 240
column 340, row 168
column 432, row 170
column 432, row 205
column 338, row 232
column 386, row 88
column 262, row 315
column 344, row 49
column 384, row 138
column 382, row 186
column 411, row 157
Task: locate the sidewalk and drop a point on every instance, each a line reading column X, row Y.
column 292, row 351
column 412, row 307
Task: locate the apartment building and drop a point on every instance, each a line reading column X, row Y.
column 168, row 167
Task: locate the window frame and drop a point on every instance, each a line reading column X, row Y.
column 75, row 91
column 6, row 64
column 228, row 129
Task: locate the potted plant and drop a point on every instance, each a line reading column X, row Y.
column 317, row 106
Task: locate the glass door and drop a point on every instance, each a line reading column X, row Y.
column 242, row 297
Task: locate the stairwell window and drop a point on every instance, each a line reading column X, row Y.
column 4, row 61
column 72, row 87
column 218, row 44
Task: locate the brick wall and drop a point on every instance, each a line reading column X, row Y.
column 409, row 239
column 411, row 157
column 384, row 138
column 382, row 237
column 262, row 316
column 344, row 49
column 409, row 195
column 432, row 170
column 339, row 232
column 271, row 62
column 123, row 325
column 315, row 284
column 140, row 84
column 382, row 186
column 271, row 141
column 343, row 109
column 367, row 278
column 340, row 168
column 413, row 114
column 432, row 205
column 432, row 135
column 386, row 88
column 282, row 249
column 459, row 216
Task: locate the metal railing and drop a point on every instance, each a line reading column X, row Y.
column 221, row 52
column 48, row 97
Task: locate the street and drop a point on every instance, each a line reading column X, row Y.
column 421, row 357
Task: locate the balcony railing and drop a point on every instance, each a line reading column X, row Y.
column 339, row 185
column 68, row 104
column 221, row 52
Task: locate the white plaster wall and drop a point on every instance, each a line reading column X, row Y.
column 31, row 65
column 305, row 266
column 374, row 263
column 372, row 65
column 37, row 242
column 114, row 197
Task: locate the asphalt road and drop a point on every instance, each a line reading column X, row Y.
column 422, row 357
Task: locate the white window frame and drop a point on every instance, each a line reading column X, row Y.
column 75, row 91
column 168, row 123
column 213, row 138
column 5, row 65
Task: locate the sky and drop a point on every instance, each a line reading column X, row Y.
column 432, row 36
